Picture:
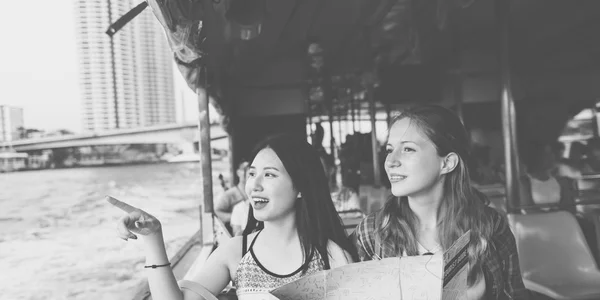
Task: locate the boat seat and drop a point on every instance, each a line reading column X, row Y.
column 590, row 224
column 588, row 193
column 554, row 256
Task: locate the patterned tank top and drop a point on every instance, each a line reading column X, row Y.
column 254, row 282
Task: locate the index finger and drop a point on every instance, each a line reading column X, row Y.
column 122, row 205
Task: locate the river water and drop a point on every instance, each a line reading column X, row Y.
column 57, row 233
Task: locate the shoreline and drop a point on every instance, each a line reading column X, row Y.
column 120, row 164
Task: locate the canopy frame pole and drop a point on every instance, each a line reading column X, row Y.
column 353, row 110
column 339, row 119
column 374, row 148
column 206, row 213
column 511, row 155
column 594, row 108
column 329, row 96
column 309, row 116
column 388, row 114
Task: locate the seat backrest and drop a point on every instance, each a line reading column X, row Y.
column 588, row 184
column 551, row 243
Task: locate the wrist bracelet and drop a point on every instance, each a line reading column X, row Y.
column 158, row 266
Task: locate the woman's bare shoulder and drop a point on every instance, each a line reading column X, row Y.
column 337, row 256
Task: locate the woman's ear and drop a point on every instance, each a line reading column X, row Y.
column 450, row 162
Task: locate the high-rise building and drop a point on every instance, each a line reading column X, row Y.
column 11, row 118
column 127, row 80
column 155, row 71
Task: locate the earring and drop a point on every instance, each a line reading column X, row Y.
column 299, row 195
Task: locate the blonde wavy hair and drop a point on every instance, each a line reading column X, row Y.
column 462, row 208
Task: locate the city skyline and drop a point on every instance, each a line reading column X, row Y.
column 125, row 80
column 154, row 60
column 39, row 67
column 11, row 121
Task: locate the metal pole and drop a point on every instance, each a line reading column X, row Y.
column 374, row 148
column 457, row 74
column 388, row 114
column 359, row 114
column 234, row 158
column 309, row 115
column 595, row 119
column 339, row 118
column 206, row 214
column 458, row 96
column 331, row 132
column 511, row 157
column 328, row 95
column 353, row 113
column 113, row 70
column 347, row 121
column 515, row 148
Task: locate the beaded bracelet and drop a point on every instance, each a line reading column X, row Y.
column 157, row 266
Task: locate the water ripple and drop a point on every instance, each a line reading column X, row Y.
column 57, row 234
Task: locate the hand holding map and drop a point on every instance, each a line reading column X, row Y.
column 429, row 277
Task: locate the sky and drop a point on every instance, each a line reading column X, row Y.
column 38, row 66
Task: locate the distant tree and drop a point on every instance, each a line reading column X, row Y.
column 32, row 130
column 34, row 133
column 26, row 133
column 22, row 132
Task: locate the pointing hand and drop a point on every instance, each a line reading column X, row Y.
column 135, row 221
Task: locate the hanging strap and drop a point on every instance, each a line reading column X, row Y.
column 244, row 242
column 254, row 240
column 126, row 18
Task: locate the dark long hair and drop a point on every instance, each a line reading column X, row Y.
column 462, row 207
column 316, row 218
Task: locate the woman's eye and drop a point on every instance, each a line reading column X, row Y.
column 270, row 175
column 407, row 149
column 251, row 174
column 388, row 150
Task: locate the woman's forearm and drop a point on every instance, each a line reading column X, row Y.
column 161, row 280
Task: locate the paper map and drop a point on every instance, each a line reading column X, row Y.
column 428, row 277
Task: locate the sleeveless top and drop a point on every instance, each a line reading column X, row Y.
column 254, row 282
column 544, row 191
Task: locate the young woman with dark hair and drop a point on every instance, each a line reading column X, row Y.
column 293, row 230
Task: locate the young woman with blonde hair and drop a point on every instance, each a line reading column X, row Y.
column 434, row 204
